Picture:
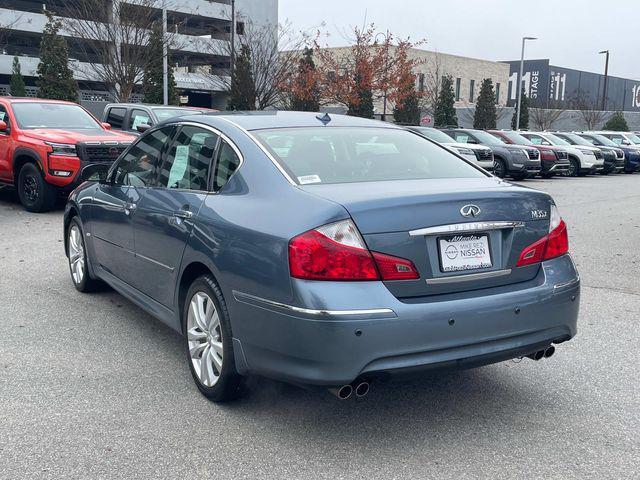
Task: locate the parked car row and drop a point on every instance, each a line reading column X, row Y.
column 45, row 144
column 525, row 154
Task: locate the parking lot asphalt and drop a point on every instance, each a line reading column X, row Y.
column 93, row 387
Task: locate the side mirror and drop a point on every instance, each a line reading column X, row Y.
column 143, row 127
column 625, row 142
column 3, row 126
column 95, row 173
column 107, row 126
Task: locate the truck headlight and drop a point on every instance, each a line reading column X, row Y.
column 62, row 149
column 465, row 151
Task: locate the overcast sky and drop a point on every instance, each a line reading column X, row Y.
column 570, row 32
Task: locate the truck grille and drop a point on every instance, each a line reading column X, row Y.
column 99, row 153
column 533, row 154
column 484, row 155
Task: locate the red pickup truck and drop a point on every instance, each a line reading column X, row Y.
column 44, row 145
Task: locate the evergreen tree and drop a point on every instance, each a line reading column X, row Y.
column 445, row 114
column 364, row 107
column 152, row 83
column 55, row 79
column 242, row 95
column 485, row 116
column 306, row 98
column 17, row 86
column 524, row 112
column 408, row 112
column 617, row 123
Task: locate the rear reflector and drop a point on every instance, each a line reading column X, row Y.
column 337, row 252
column 553, row 245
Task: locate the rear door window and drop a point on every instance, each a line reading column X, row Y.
column 115, row 117
column 189, row 159
column 138, row 117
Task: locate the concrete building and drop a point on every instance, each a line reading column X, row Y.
column 559, row 87
column 202, row 27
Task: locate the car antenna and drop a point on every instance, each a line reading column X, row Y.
column 324, row 118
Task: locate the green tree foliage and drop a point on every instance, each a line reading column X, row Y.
column 617, row 123
column 242, row 94
column 408, row 113
column 524, row 112
column 364, row 107
column 152, row 83
column 306, row 94
column 55, row 79
column 485, row 116
column 445, row 114
column 17, row 85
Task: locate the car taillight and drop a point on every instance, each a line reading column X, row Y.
column 337, row 252
column 553, row 245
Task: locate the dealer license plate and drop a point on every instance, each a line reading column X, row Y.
column 464, row 252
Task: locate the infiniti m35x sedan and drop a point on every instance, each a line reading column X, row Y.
column 323, row 250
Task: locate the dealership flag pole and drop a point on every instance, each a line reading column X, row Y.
column 519, row 85
column 606, row 79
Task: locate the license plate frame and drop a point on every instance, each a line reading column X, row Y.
column 448, row 264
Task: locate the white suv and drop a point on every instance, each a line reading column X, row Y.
column 583, row 159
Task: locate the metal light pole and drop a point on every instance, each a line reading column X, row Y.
column 519, row 86
column 165, row 64
column 606, row 79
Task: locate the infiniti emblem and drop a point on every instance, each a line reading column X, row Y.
column 470, row 211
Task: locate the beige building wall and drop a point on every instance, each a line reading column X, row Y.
column 467, row 73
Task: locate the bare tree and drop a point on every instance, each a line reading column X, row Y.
column 274, row 53
column 114, row 38
column 432, row 83
column 6, row 24
column 545, row 118
column 588, row 109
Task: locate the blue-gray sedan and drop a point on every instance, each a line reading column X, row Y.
column 323, row 250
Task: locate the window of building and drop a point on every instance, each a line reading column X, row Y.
column 421, row 82
column 115, row 117
column 497, row 93
column 472, row 88
column 458, row 83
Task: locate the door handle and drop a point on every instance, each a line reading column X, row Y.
column 129, row 207
column 185, row 214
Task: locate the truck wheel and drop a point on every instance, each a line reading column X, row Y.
column 35, row 194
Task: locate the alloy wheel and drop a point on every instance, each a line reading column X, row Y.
column 30, row 188
column 204, row 336
column 76, row 254
column 499, row 169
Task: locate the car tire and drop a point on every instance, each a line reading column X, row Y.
column 499, row 168
column 78, row 262
column 35, row 194
column 574, row 168
column 208, row 341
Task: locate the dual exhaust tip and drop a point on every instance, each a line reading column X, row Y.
column 358, row 389
column 545, row 353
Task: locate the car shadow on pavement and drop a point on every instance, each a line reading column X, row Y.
column 9, row 198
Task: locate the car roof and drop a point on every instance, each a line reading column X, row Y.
column 154, row 105
column 36, row 100
column 259, row 120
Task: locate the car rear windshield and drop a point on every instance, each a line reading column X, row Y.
column 349, row 154
column 53, row 115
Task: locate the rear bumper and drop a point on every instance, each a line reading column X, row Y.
column 349, row 330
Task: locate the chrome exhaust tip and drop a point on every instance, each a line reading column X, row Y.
column 550, row 350
column 536, row 355
column 343, row 392
column 362, row 389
